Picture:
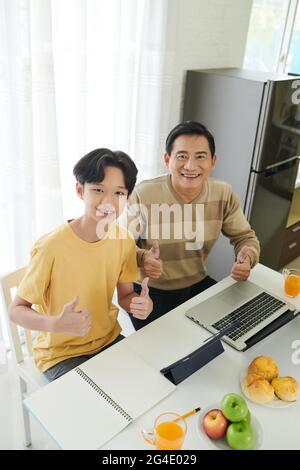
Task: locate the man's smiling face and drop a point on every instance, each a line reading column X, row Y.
column 190, row 163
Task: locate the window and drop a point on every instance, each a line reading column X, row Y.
column 293, row 58
column 265, row 35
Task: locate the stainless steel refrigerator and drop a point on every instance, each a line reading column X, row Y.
column 255, row 119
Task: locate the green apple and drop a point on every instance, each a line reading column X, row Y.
column 234, row 407
column 247, row 420
column 240, row 436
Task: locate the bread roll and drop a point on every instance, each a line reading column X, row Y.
column 259, row 390
column 286, row 388
column 265, row 367
column 250, row 378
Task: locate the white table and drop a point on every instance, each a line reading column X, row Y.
column 174, row 336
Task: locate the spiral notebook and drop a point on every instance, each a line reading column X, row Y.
column 89, row 405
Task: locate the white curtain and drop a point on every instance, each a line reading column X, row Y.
column 76, row 75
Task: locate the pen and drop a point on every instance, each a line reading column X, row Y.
column 192, row 412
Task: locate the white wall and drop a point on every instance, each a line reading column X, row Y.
column 210, row 34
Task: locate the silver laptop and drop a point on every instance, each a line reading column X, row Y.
column 258, row 312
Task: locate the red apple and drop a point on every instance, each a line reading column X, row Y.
column 215, row 424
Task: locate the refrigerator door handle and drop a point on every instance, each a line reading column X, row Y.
column 277, row 167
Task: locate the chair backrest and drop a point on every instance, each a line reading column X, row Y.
column 7, row 284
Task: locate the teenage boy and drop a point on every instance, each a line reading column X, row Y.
column 74, row 270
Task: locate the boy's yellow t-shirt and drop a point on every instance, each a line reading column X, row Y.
column 62, row 266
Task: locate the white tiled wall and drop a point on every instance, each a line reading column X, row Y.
column 210, row 34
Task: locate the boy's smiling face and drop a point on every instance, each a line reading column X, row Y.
column 104, row 200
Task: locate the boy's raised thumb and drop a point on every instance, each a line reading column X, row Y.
column 145, row 288
column 73, row 302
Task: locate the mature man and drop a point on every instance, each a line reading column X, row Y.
column 176, row 219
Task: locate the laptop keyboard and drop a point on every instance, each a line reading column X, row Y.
column 250, row 314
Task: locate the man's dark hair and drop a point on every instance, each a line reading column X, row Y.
column 190, row 128
column 91, row 167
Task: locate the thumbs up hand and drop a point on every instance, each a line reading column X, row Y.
column 242, row 255
column 73, row 322
column 152, row 265
column 242, row 267
column 142, row 306
column 155, row 249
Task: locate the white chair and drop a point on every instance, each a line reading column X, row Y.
column 29, row 378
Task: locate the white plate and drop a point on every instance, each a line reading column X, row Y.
column 221, row 444
column 275, row 403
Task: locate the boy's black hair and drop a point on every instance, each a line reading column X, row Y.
column 91, row 167
column 191, row 128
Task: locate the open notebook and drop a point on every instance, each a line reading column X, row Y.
column 92, row 403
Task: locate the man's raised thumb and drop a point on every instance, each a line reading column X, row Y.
column 145, row 288
column 243, row 254
column 155, row 249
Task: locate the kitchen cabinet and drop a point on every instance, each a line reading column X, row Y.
column 291, row 241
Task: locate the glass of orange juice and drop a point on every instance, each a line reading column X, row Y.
column 168, row 433
column 291, row 282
